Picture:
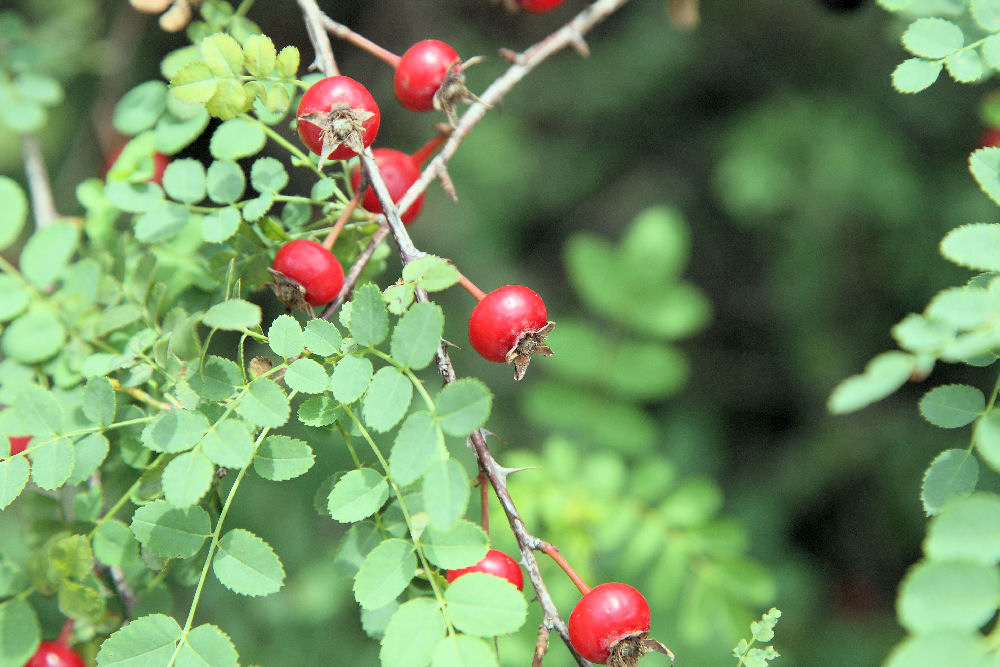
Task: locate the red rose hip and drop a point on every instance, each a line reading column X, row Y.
column 538, row 6
column 337, row 118
column 609, row 626
column 496, row 563
column 420, row 73
column 509, row 325
column 399, row 171
column 54, row 654
column 313, row 267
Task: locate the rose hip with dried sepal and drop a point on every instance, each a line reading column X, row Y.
column 610, row 625
column 509, row 325
column 496, row 563
column 337, row 118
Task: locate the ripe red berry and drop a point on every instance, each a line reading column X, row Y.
column 989, row 138
column 509, row 325
column 496, row 563
column 337, row 118
column 539, row 6
column 420, row 73
column 160, row 162
column 611, row 622
column 18, row 443
column 54, row 654
column 313, row 267
column 399, row 171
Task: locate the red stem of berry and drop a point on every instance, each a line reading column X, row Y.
column 64, row 634
column 342, row 220
column 425, row 152
column 554, row 554
column 471, row 286
column 343, row 32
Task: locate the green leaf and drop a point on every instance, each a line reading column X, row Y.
column 47, row 252
column 285, row 336
column 91, row 450
column 939, row 596
column 222, row 54
column 417, row 335
column 279, row 458
column 225, row 182
column 173, row 134
column 187, row 478
column 237, row 138
column 268, row 175
column 319, row 411
column 385, row 573
column 952, row 406
column 387, row 399
column 184, row 181
column 80, row 602
column 952, row 474
column 350, row 378
column 35, row 336
column 140, row 108
column 369, row 318
column 14, row 297
column 322, row 337
column 962, row 307
column 966, row 530
column 14, row 212
column 114, row 544
column 208, row 646
column 221, row 225
column 915, row 74
column 354, row 546
column 257, row 208
column 357, row 495
column 13, row 476
column 463, row 651
column 259, row 55
column 19, row 632
column 174, row 431
column 977, row 246
column 399, row 297
column 985, row 167
column 171, row 532
column 228, row 443
column 264, row 404
column 135, row 197
column 965, row 66
column 217, row 379
column 418, row 443
column 939, row 648
column 445, row 493
column 194, row 83
column 38, row 411
column 247, row 565
column 463, row 406
column 288, row 62
column 462, row 545
column 149, row 640
column 485, row 605
column 233, row 315
column 306, row 376
column 163, row 221
column 52, row 463
column 933, row 38
column 414, row 630
column 430, row 273
column 882, row 376
column 987, row 14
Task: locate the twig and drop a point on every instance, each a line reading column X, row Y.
column 343, row 32
column 43, row 203
column 541, row 645
column 324, row 60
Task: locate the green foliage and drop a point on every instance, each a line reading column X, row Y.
column 761, row 631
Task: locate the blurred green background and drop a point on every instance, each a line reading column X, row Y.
column 814, row 197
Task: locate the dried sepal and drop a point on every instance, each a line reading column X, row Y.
column 290, row 293
column 627, row 650
column 341, row 126
column 453, row 90
column 529, row 343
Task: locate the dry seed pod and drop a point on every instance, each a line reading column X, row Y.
column 150, row 6
column 177, row 17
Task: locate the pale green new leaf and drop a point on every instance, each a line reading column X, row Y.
column 194, row 83
column 882, row 376
column 412, row 633
column 357, row 495
column 247, row 565
column 385, row 573
column 952, row 406
column 431, row 273
column 280, row 458
column 223, row 55
column 939, row 596
column 259, row 55
column 977, row 246
column 933, row 38
column 288, row 62
column 915, row 74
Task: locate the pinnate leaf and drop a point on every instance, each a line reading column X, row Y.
column 174, row 431
column 99, row 401
column 247, row 565
column 933, row 38
column 350, row 378
column 463, row 406
column 485, row 605
column 259, row 55
column 431, row 273
column 307, row 377
column 915, row 74
column 322, row 337
column 149, row 640
column 385, row 573
column 357, row 495
column 952, row 406
column 207, row 645
column 228, row 443
column 285, row 336
column 14, row 473
column 418, row 442
column 187, row 478
column 114, row 544
column 952, row 474
column 280, row 457
column 414, row 630
column 52, row 462
column 464, row 544
column 977, row 246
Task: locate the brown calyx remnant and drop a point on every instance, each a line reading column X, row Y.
column 529, row 343
column 290, row 293
column 627, row 650
column 340, row 126
column 453, row 90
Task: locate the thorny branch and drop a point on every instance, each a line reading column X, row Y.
column 570, row 35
